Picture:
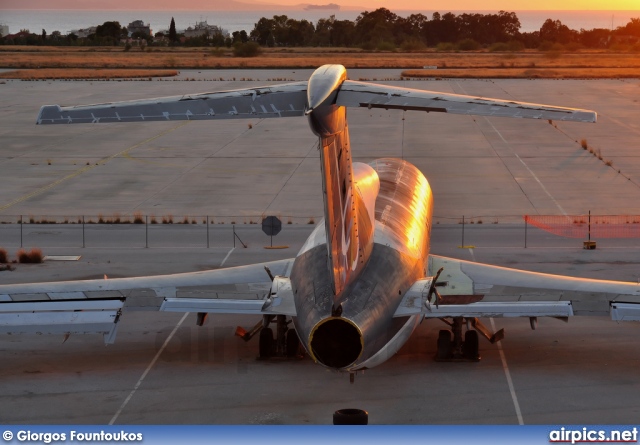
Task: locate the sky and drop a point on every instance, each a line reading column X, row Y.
column 509, row 5
column 435, row 5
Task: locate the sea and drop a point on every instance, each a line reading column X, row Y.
column 66, row 21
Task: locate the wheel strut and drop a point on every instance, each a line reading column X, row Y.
column 457, row 348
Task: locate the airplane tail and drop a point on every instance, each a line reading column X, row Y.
column 349, row 190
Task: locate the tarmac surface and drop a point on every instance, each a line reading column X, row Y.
column 488, row 169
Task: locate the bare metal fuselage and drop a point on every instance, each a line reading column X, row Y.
column 366, row 334
column 352, row 273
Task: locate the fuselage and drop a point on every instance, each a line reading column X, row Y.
column 364, row 333
column 353, row 271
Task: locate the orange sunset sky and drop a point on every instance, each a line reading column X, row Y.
column 433, row 5
column 475, row 5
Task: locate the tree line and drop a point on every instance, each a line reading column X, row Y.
column 380, row 29
column 383, row 29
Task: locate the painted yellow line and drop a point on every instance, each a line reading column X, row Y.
column 87, row 168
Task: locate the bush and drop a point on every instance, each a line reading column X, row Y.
column 368, row 46
column 550, row 46
column 386, row 46
column 137, row 218
column 3, row 256
column 573, row 46
column 515, row 45
column 249, row 49
column 33, row 257
column 468, row 45
column 445, row 46
column 413, row 45
column 620, row 47
column 499, row 47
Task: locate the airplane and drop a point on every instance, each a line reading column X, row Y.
column 364, row 279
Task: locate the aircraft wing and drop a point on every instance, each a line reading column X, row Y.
column 370, row 95
column 471, row 289
column 274, row 101
column 95, row 306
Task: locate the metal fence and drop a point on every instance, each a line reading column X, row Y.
column 137, row 231
column 588, row 226
column 146, row 231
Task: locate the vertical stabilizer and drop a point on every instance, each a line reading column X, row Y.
column 348, row 224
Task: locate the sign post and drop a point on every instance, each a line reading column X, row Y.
column 271, row 225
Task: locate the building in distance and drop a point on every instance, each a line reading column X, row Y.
column 139, row 28
column 204, row 29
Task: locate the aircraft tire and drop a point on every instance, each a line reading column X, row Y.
column 444, row 344
column 292, row 343
column 470, row 346
column 266, row 343
column 350, row 416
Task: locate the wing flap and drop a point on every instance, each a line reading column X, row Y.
column 278, row 302
column 497, row 309
column 370, row 95
column 62, row 317
column 503, row 285
column 276, row 101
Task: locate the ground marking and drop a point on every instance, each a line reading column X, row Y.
column 146, row 371
column 528, row 169
column 87, row 168
column 227, row 257
column 155, row 359
column 512, row 390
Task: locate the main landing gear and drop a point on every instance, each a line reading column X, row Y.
column 285, row 344
column 458, row 350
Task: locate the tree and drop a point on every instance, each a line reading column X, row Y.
column 555, row 31
column 44, row 35
column 239, row 36
column 595, row 38
column 632, row 28
column 173, row 35
column 342, row 33
column 300, row 33
column 263, row 32
column 373, row 28
column 110, row 33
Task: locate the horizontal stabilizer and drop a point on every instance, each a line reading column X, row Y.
column 370, row 95
column 276, row 101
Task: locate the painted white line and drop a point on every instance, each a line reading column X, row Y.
column 227, row 257
column 473, row 257
column 527, row 167
column 146, row 371
column 512, row 390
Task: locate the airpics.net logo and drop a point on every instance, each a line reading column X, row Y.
column 587, row 435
